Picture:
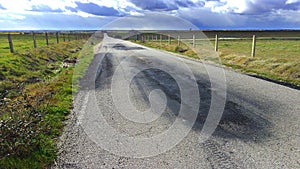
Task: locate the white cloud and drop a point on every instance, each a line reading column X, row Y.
column 291, row 1
column 288, row 15
column 16, row 6
column 227, row 6
column 11, row 16
column 150, row 21
column 135, row 13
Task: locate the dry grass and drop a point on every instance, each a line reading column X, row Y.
column 275, row 59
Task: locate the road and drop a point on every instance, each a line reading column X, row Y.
column 133, row 92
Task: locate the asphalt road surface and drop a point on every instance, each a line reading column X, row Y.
column 259, row 127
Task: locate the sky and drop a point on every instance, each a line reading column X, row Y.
column 149, row 14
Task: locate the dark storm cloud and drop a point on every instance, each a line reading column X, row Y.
column 205, row 19
column 95, row 9
column 161, row 5
column 293, row 6
column 187, row 3
column 71, row 9
column 265, row 6
column 154, row 5
column 44, row 8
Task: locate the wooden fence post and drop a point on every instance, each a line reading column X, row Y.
column 253, row 46
column 178, row 40
column 169, row 38
column 160, row 39
column 194, row 41
column 34, row 40
column 143, row 39
column 217, row 43
column 57, row 38
column 47, row 40
column 11, row 46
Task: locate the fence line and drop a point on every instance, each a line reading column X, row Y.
column 55, row 37
column 168, row 39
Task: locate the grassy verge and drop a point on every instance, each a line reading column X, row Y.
column 173, row 47
column 275, row 59
column 35, row 97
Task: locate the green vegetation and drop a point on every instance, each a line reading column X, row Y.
column 275, row 59
column 35, row 98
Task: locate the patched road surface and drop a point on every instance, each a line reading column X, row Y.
column 259, row 127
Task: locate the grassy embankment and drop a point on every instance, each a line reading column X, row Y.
column 275, row 59
column 35, row 98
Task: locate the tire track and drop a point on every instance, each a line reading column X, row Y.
column 217, row 157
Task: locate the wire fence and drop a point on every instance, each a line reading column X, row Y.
column 11, row 42
column 243, row 44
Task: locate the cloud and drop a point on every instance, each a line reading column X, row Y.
column 292, row 1
column 71, row 9
column 150, row 21
column 164, row 5
column 205, row 19
column 95, row 9
column 251, row 7
column 188, row 3
column 44, row 8
column 1, row 7
column 158, row 5
column 207, row 14
column 55, row 21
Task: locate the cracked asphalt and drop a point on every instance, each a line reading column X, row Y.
column 259, row 127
